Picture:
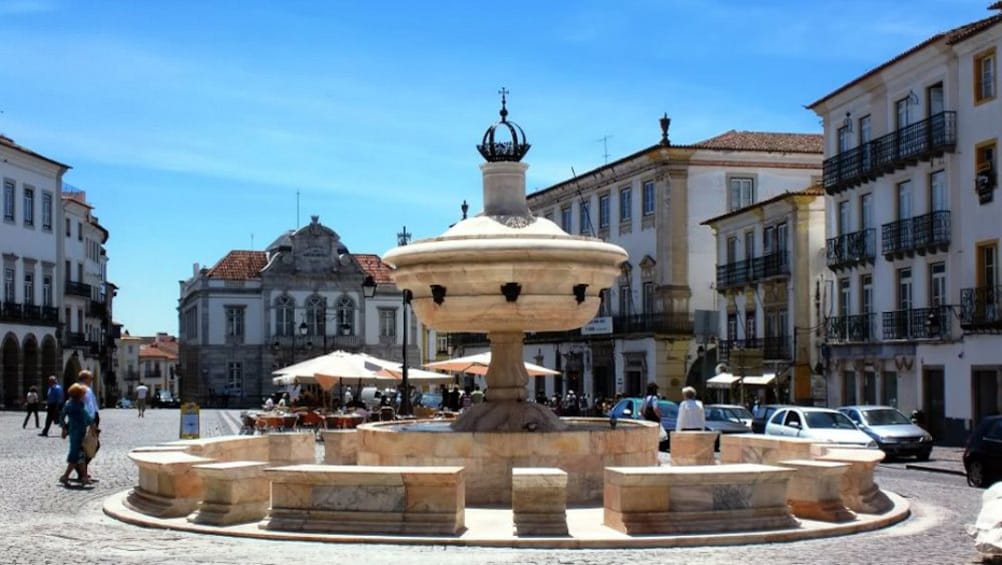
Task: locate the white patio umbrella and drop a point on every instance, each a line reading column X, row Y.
column 477, row 365
column 341, row 366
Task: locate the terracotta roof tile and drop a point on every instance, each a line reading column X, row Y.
column 765, row 141
column 152, row 351
column 950, row 37
column 239, row 265
column 373, row 265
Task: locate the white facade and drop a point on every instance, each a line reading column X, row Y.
column 30, row 269
column 912, row 307
column 644, row 331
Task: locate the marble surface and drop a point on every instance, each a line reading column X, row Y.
column 340, row 446
column 759, row 448
column 693, row 448
column 815, row 490
column 168, row 484
column 539, row 501
column 234, row 492
column 859, row 491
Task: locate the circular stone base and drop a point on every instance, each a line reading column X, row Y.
column 493, row 527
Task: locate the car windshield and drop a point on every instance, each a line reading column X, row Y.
column 829, row 420
column 716, row 414
column 740, row 413
column 668, row 409
column 885, row 417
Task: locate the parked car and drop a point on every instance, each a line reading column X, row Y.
column 724, row 420
column 164, row 399
column 894, row 432
column 820, row 424
column 629, row 409
column 734, row 411
column 124, row 403
column 764, row 413
column 983, row 454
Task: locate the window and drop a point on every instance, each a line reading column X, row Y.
column 648, row 198
column 47, row 211
column 984, row 76
column 866, row 211
column 285, row 315
column 235, row 378
column 79, row 231
column 190, row 324
column 8, row 200
column 565, row 219
column 866, row 296
column 346, row 316
column 937, row 284
column 46, row 290
column 741, row 193
column 605, row 308
column 732, row 327
column 316, row 315
column 905, row 200
column 732, row 250
column 29, row 206
column 625, row 204
column 984, row 158
column 648, row 297
column 905, row 289
column 603, row 211
column 387, row 322
column 844, row 137
column 864, row 129
column 844, row 295
column 901, row 115
column 68, row 230
column 29, row 289
column 625, row 300
column 749, row 245
column 750, row 333
column 937, row 104
column 235, row 321
column 843, row 218
column 8, row 284
column 584, row 217
column 937, row 191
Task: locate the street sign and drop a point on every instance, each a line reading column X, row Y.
column 189, row 421
column 598, row 325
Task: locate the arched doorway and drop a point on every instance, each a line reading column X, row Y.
column 50, row 364
column 30, row 371
column 70, row 371
column 9, row 354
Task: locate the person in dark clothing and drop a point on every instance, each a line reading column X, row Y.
column 454, row 399
column 53, row 404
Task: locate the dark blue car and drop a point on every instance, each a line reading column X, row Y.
column 629, row 409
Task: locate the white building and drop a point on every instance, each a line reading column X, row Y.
column 651, row 203
column 913, row 225
column 31, row 248
column 148, row 360
column 770, row 265
column 257, row 311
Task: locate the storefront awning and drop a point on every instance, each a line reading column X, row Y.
column 726, row 380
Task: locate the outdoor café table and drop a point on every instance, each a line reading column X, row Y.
column 343, row 421
column 276, row 421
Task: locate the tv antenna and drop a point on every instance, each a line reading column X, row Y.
column 605, row 147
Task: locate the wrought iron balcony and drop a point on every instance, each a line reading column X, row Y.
column 97, row 309
column 928, row 232
column 854, row 328
column 851, row 249
column 726, row 346
column 919, row 323
column 74, row 339
column 771, row 265
column 920, row 141
column 776, row 348
column 29, row 313
column 655, row 322
column 78, row 289
column 980, row 309
column 733, row 274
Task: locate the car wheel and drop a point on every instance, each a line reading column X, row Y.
column 924, row 456
column 976, row 474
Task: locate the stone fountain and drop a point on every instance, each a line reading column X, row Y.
column 505, row 272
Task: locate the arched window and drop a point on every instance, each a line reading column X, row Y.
column 346, row 316
column 316, row 313
column 285, row 315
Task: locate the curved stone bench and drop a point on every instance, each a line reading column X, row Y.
column 763, row 449
column 168, row 486
column 233, row 492
column 697, row 499
column 539, row 501
column 278, row 448
column 859, row 491
column 362, row 499
column 815, row 490
column 340, row 446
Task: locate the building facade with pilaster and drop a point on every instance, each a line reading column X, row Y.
column 913, row 231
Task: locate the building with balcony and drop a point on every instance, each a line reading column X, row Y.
column 30, row 253
column 913, row 228
column 254, row 312
column 651, row 203
column 769, row 268
column 148, row 360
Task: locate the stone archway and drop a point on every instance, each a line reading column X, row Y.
column 10, row 354
column 29, row 370
column 70, row 372
column 50, row 361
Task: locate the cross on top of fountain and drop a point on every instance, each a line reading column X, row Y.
column 512, row 150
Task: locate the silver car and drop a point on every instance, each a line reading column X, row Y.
column 894, row 432
column 819, row 424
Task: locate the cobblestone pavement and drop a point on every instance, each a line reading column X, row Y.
column 45, row 523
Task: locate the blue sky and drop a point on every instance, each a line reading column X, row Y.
column 193, row 124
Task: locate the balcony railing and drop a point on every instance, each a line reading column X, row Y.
column 980, row 309
column 75, row 339
column 740, row 273
column 96, row 309
column 776, row 347
column 853, row 328
column 656, row 322
column 28, row 313
column 771, row 265
column 920, row 141
column 733, row 274
column 918, row 323
column 850, row 249
column 928, row 232
column 78, row 289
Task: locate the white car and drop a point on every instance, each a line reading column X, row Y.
column 820, row 424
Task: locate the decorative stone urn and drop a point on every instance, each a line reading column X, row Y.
column 505, row 272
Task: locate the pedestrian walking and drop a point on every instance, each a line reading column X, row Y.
column 53, row 404
column 690, row 413
column 75, row 420
column 142, row 391
column 31, row 406
column 86, row 379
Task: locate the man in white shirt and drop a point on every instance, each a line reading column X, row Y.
column 690, row 413
column 142, row 391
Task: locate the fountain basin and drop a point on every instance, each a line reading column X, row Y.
column 583, row 450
